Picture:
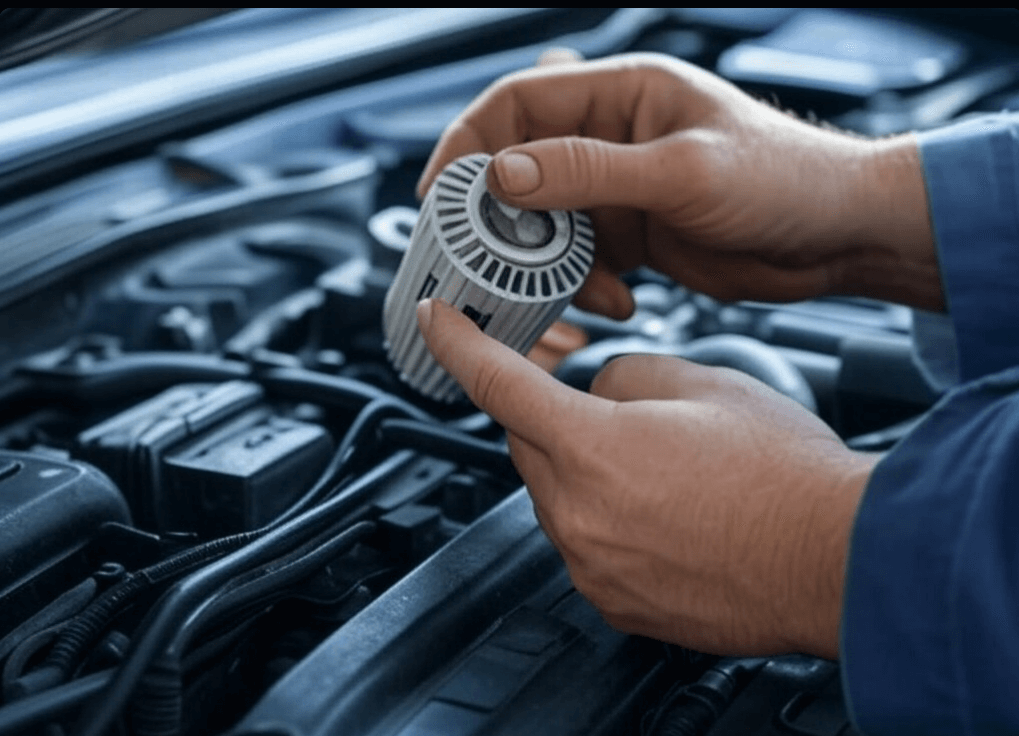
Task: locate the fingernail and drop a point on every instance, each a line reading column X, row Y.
column 559, row 55
column 424, row 314
column 517, row 173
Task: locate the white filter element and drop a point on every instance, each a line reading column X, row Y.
column 512, row 271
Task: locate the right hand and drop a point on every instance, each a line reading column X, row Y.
column 691, row 504
column 684, row 173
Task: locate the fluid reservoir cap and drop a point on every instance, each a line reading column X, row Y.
column 512, row 271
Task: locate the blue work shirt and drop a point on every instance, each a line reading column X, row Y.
column 930, row 623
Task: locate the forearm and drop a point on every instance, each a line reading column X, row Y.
column 822, row 557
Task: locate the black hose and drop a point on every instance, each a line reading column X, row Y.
column 157, row 709
column 361, row 432
column 447, row 444
column 692, row 709
column 133, row 373
column 755, row 358
column 90, row 623
column 477, row 423
column 129, row 374
column 301, row 384
column 25, row 716
column 263, row 328
column 14, row 685
column 363, row 427
column 279, row 574
column 192, row 595
column 82, row 631
column 68, row 604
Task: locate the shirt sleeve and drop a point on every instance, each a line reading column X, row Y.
column 972, row 175
column 930, row 627
column 934, row 349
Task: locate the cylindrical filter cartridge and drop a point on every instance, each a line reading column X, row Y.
column 512, row 271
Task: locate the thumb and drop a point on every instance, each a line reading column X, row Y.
column 580, row 173
column 518, row 394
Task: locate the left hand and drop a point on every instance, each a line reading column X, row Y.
column 690, row 504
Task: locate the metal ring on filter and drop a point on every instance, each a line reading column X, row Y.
column 512, row 271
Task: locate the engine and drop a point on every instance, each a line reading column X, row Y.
column 223, row 510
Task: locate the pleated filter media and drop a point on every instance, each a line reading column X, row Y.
column 511, row 271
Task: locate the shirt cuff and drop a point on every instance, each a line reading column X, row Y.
column 972, row 176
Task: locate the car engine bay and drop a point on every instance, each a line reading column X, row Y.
column 222, row 512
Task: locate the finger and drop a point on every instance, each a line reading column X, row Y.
column 559, row 340
column 730, row 276
column 604, row 293
column 640, row 377
column 621, row 237
column 459, row 140
column 559, row 55
column 573, row 173
column 597, row 99
column 514, row 391
column 552, row 99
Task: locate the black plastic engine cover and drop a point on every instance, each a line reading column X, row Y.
column 49, row 510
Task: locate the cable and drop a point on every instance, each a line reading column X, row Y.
column 68, row 604
column 476, row 423
column 363, row 426
column 302, row 384
column 85, row 628
column 692, row 708
column 448, row 444
column 190, row 596
column 158, row 705
column 275, row 576
column 131, row 373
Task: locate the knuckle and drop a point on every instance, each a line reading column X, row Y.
column 616, row 378
column 588, row 167
column 578, row 159
column 607, row 381
column 487, row 384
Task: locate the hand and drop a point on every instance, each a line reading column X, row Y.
column 691, row 504
column 684, row 173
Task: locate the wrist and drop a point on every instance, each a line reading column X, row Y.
column 890, row 252
column 825, row 553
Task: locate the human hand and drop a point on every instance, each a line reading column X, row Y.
column 684, row 173
column 691, row 504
